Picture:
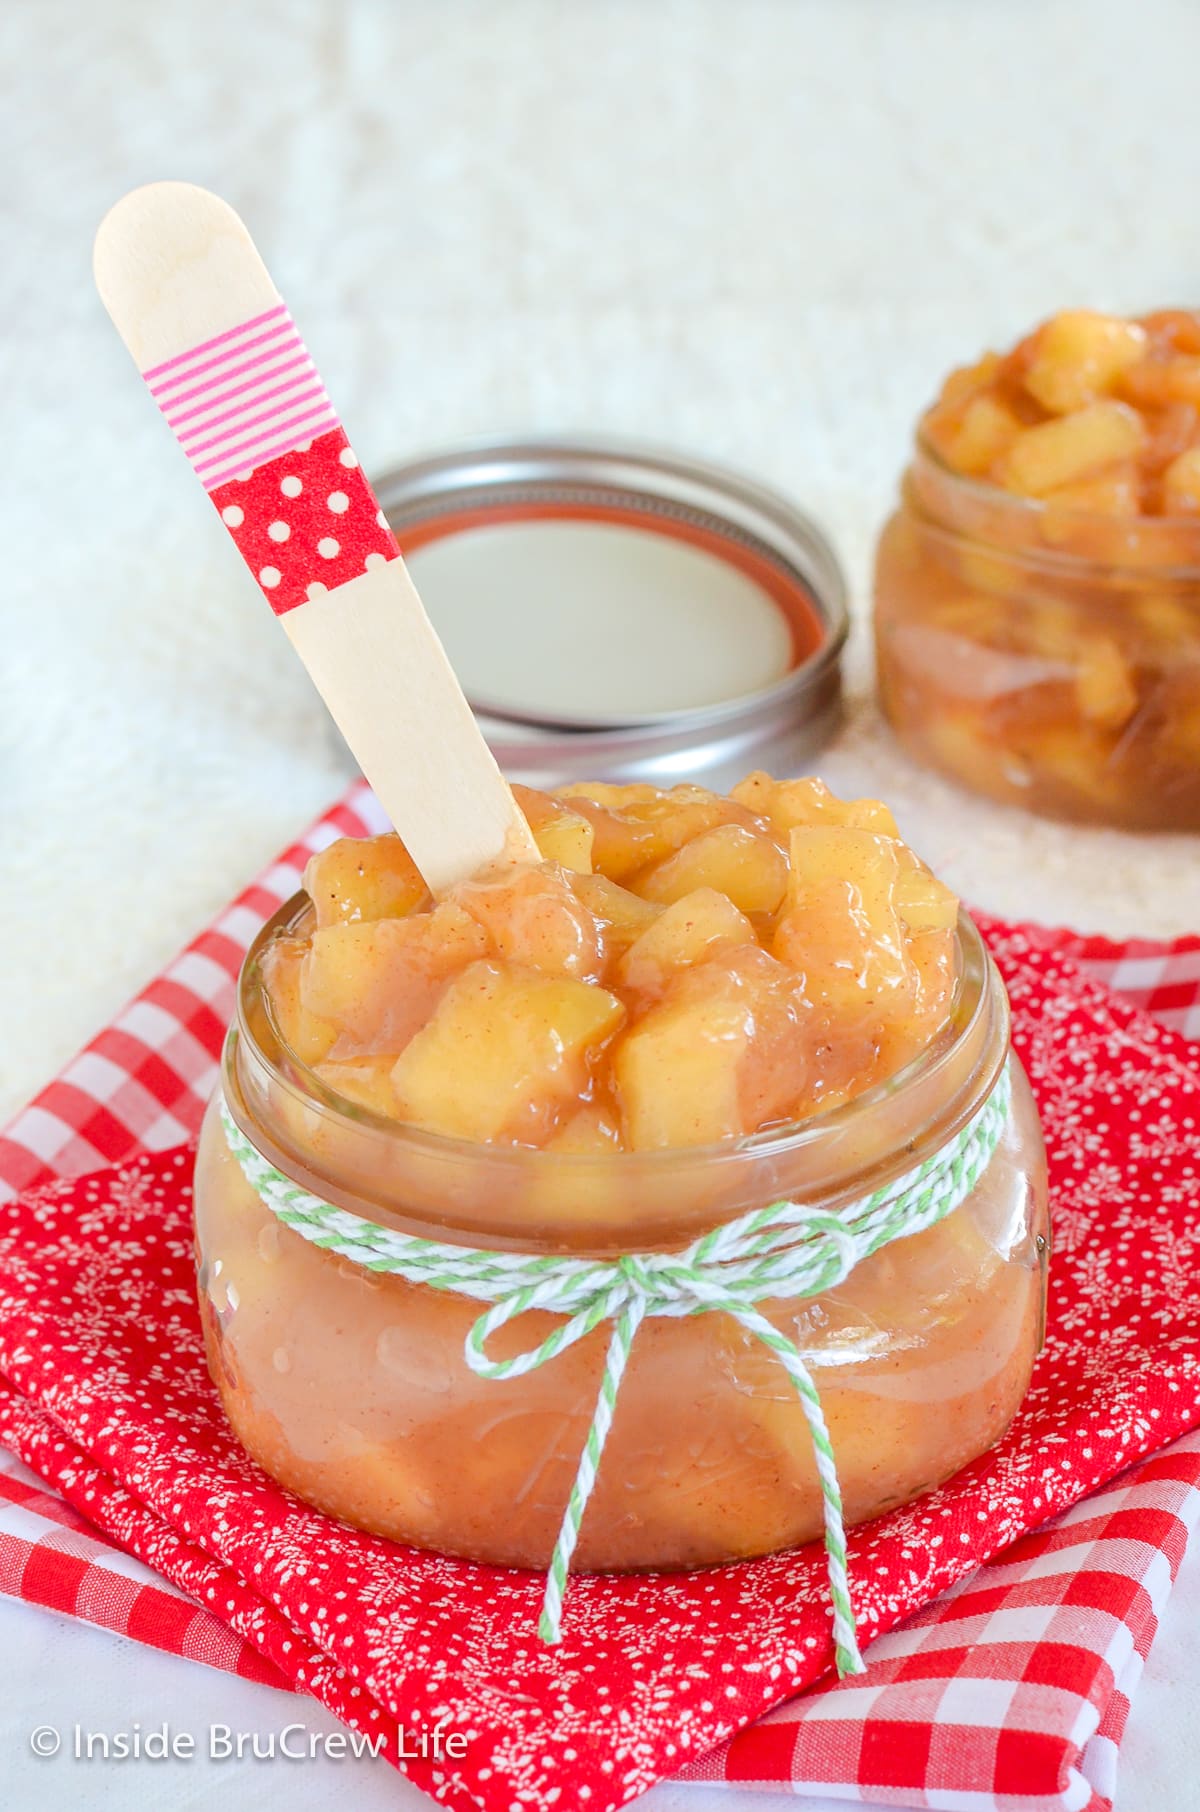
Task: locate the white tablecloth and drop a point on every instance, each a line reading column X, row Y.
column 759, row 230
column 70, row 1676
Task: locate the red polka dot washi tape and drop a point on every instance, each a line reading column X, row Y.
column 211, row 336
column 306, row 522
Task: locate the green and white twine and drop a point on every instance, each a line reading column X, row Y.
column 785, row 1251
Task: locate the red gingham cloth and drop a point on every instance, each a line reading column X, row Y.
column 1011, row 1690
column 52, row 1556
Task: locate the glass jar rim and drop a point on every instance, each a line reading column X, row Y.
column 978, row 995
column 1033, row 509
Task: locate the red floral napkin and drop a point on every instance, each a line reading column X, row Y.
column 107, row 1399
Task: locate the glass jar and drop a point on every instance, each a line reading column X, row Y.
column 352, row 1390
column 1047, row 657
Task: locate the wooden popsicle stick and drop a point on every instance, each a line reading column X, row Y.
column 194, row 303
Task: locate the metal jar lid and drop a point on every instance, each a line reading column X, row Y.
column 619, row 612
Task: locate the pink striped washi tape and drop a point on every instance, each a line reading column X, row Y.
column 243, row 397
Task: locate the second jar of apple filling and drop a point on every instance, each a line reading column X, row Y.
column 1037, row 591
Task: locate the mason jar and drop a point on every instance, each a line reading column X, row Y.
column 352, row 1390
column 1045, row 656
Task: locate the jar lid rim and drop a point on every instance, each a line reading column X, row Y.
column 644, row 485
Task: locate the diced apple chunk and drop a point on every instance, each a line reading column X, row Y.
column 306, row 1034
column 635, row 826
column 1076, row 757
column 967, row 380
column 616, row 795
column 568, row 840
column 1071, row 447
column 835, row 852
column 687, row 932
column 622, row 916
column 1079, row 356
column 924, row 903
column 1181, row 484
column 1158, row 382
column 931, row 955
column 762, row 795
column 987, row 429
column 1114, row 495
column 593, row 1131
column 781, row 1065
column 504, row 1055
column 785, row 804
column 1105, row 687
column 864, row 814
column 743, row 864
column 1168, row 618
column 676, row 1072
column 841, row 926
column 379, row 980
column 1169, row 432
column 533, row 918
column 367, row 1081
column 363, row 878
column 561, row 835
column 999, row 575
column 725, row 1052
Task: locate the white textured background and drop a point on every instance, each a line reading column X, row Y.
column 761, row 229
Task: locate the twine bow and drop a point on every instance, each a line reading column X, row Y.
column 785, row 1251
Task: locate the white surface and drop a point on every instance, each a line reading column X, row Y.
column 65, row 1675
column 759, row 230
